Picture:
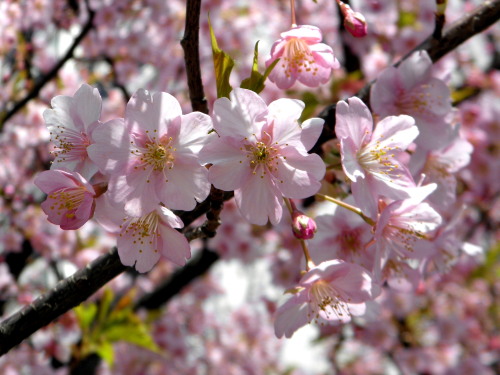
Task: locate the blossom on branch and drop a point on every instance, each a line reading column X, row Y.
column 302, row 58
column 412, row 90
column 370, row 157
column 71, row 122
column 143, row 239
column 70, row 198
column 328, row 293
column 152, row 157
column 261, row 154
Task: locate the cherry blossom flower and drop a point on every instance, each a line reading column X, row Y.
column 70, row 198
column 71, row 122
column 342, row 235
column 410, row 89
column 330, row 292
column 152, row 158
column 440, row 166
column 370, row 157
column 261, row 154
column 400, row 226
column 302, row 58
column 143, row 239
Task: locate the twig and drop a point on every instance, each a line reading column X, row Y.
column 190, row 45
column 50, row 75
column 67, row 294
column 466, row 27
column 196, row 267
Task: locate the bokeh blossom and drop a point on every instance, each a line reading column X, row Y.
column 302, row 57
column 261, row 154
column 412, row 90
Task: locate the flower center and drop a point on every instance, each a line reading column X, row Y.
column 415, row 101
column 157, row 154
column 263, row 158
column 68, row 200
column 377, row 159
column 405, row 237
column 325, row 299
column 297, row 58
column 71, row 145
column 143, row 230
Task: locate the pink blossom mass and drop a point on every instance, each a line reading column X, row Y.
column 218, row 187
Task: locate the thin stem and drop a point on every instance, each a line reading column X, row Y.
column 292, row 6
column 354, row 209
column 309, row 262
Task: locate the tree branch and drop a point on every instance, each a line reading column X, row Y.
column 466, row 27
column 67, row 294
column 197, row 266
column 190, row 45
column 35, row 91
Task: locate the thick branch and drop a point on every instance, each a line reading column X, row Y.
column 466, row 27
column 197, row 266
column 42, row 81
column 190, row 45
column 67, row 294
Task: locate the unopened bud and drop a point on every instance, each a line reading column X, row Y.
column 303, row 226
column 354, row 22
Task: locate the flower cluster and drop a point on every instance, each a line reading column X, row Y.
column 142, row 166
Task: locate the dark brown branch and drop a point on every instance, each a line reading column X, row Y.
column 466, row 27
column 42, row 81
column 67, row 294
column 190, row 45
column 196, row 267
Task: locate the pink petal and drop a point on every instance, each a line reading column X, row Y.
column 353, row 120
column 187, row 184
column 241, row 116
column 111, row 150
column 87, row 105
column 175, row 246
column 284, row 114
column 146, row 112
column 291, row 315
column 194, row 131
column 259, row 200
column 311, row 130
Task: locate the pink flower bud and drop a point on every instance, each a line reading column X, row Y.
column 354, row 22
column 303, row 226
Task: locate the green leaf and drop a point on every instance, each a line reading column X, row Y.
column 133, row 333
column 256, row 80
column 106, row 352
column 86, row 315
column 223, row 64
